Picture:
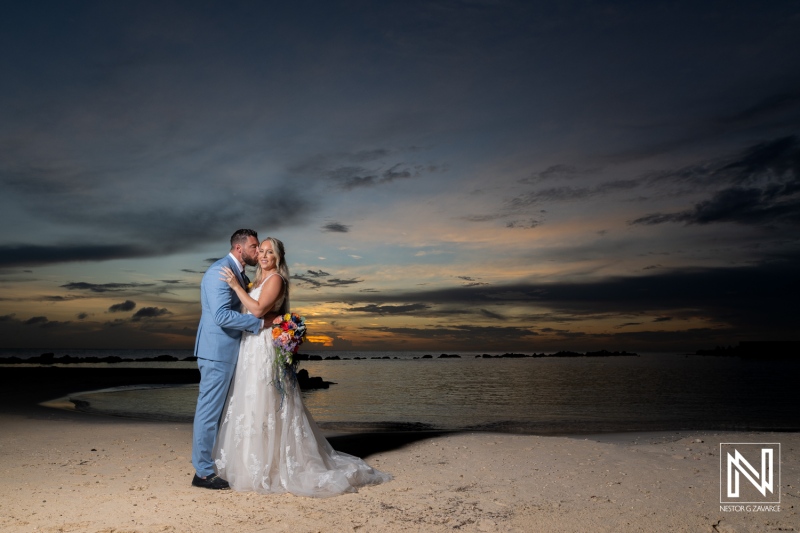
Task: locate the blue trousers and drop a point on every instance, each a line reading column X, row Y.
column 215, row 380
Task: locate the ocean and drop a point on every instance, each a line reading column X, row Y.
column 545, row 395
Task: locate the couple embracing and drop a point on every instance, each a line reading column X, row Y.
column 252, row 431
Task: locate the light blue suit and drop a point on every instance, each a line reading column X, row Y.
column 216, row 349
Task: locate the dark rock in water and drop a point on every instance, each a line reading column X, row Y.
column 315, row 358
column 514, row 355
column 190, row 358
column 427, row 356
column 333, row 358
column 160, row 358
column 567, row 354
column 311, row 383
column 449, row 356
column 606, row 353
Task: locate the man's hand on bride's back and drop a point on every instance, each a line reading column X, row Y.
column 268, row 318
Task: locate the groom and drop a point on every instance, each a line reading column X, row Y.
column 217, row 349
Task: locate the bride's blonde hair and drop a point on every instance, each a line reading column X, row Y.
column 281, row 266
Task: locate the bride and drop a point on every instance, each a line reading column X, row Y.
column 268, row 441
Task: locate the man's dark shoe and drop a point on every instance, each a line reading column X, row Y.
column 212, row 481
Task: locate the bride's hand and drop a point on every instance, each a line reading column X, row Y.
column 229, row 277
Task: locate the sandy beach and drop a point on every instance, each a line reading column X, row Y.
column 70, row 471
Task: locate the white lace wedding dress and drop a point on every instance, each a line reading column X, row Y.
column 271, row 444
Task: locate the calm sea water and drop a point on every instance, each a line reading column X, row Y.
column 532, row 395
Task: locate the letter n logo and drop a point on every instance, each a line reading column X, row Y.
column 748, row 473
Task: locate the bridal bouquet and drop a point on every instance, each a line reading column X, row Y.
column 288, row 333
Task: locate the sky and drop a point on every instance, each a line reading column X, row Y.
column 474, row 175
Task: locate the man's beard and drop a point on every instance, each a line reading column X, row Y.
column 249, row 260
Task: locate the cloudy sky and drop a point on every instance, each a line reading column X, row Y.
column 482, row 175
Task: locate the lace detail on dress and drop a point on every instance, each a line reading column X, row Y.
column 268, row 445
column 255, row 469
column 222, row 461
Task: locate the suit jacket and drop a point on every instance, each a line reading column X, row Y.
column 221, row 323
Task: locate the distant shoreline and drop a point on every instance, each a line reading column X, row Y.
column 49, row 358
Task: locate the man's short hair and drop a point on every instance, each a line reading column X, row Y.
column 240, row 236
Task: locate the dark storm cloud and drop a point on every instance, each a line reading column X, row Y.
column 336, row 227
column 31, row 254
column 524, row 224
column 310, row 283
column 775, row 114
column 150, row 312
column 127, row 305
column 742, row 206
column 42, row 322
column 470, row 281
column 61, row 298
column 567, row 193
column 349, row 178
column 490, row 314
column 313, row 281
column 104, row 287
column 322, row 164
column 558, row 173
column 336, row 282
column 759, row 298
column 761, row 186
column 776, row 160
column 481, row 218
column 145, row 228
column 768, row 107
column 383, row 310
column 369, row 168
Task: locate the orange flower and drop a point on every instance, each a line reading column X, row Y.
column 276, row 332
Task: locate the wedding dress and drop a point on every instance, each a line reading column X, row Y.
column 269, row 443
